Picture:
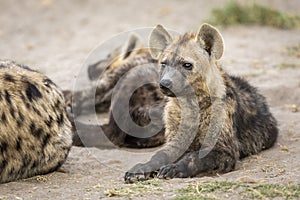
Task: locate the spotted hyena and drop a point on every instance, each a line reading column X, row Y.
column 35, row 134
column 204, row 102
column 106, row 74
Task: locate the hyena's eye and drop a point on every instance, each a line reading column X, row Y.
column 163, row 64
column 187, row 66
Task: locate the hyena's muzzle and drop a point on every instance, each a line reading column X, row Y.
column 172, row 82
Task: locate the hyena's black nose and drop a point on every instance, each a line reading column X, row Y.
column 165, row 84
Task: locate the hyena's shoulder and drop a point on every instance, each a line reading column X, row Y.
column 35, row 134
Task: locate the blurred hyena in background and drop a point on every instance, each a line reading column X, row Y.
column 35, row 133
column 106, row 74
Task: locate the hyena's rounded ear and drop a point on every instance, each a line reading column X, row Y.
column 159, row 40
column 133, row 43
column 211, row 40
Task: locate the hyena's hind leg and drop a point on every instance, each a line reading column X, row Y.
column 141, row 116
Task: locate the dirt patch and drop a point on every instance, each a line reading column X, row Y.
column 55, row 37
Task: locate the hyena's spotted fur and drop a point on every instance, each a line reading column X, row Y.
column 189, row 67
column 35, row 134
column 106, row 73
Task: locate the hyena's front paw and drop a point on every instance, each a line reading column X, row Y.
column 171, row 171
column 139, row 172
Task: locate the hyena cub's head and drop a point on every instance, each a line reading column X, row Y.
column 120, row 60
column 185, row 61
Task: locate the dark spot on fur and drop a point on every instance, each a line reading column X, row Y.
column 27, row 105
column 32, row 92
column 60, row 119
column 3, row 147
column 57, row 104
column 12, row 112
column 12, row 171
column 3, row 118
column 49, row 122
column 156, row 97
column 150, row 87
column 21, row 116
column 61, row 95
column 8, row 77
column 32, row 127
column 31, row 147
column 36, row 132
column 65, row 148
column 48, row 82
column 7, row 97
column 19, row 123
column 22, row 96
column 26, row 159
column 3, row 164
column 18, row 144
column 35, row 164
column 229, row 95
column 46, row 140
column 1, row 96
column 36, row 111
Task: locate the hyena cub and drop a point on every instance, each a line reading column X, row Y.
column 35, row 134
column 125, row 62
column 211, row 119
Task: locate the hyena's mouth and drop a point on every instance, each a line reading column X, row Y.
column 167, row 92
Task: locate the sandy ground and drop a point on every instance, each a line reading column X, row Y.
column 56, row 37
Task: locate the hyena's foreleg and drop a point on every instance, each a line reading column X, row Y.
column 192, row 164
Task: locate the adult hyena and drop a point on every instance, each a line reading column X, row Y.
column 125, row 62
column 35, row 134
column 204, row 102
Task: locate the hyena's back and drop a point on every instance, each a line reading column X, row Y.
column 256, row 128
column 35, row 134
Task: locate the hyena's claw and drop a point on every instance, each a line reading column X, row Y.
column 134, row 177
column 167, row 171
column 172, row 171
column 139, row 172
